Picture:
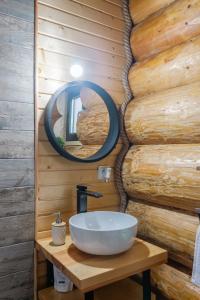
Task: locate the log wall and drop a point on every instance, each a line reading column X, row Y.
column 89, row 33
column 166, row 28
column 161, row 170
column 16, row 149
column 93, row 125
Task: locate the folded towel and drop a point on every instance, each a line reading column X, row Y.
column 196, row 263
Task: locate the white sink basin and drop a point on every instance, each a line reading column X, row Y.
column 103, row 232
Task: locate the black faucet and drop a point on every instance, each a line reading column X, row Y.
column 82, row 194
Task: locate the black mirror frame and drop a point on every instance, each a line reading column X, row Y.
column 114, row 129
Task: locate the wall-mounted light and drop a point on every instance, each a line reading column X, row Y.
column 76, row 71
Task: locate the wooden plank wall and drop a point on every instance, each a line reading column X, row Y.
column 89, row 33
column 161, row 171
column 16, row 149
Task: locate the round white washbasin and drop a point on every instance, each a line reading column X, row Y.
column 103, row 232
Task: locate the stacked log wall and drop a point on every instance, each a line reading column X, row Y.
column 161, row 169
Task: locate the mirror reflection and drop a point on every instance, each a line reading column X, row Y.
column 80, row 121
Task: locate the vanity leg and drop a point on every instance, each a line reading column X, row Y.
column 89, row 295
column 146, row 282
column 50, row 278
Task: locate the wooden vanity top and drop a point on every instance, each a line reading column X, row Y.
column 89, row 272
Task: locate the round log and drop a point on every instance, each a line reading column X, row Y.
column 90, row 98
column 93, row 126
column 82, row 151
column 174, row 284
column 171, row 116
column 165, row 29
column 141, row 9
column 164, row 174
column 174, row 67
column 171, row 230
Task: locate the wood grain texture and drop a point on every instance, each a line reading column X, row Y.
column 91, row 100
column 16, row 229
column 161, row 177
column 85, row 12
column 168, row 117
column 105, row 7
column 171, row 230
column 16, row 258
column 44, row 221
column 73, row 177
column 174, row 284
column 16, row 149
column 75, row 22
column 141, row 9
column 66, row 48
column 14, row 115
column 49, row 86
column 16, row 31
column 52, row 193
column 53, row 59
column 82, row 151
column 16, row 144
column 16, row 78
column 89, row 272
column 22, row 9
column 164, row 174
column 93, row 125
column 46, row 207
column 17, row 286
column 56, row 163
column 123, row 289
column 162, row 30
column 57, row 49
column 174, row 67
column 45, row 149
column 16, row 172
column 58, row 74
column 16, row 201
column 89, row 33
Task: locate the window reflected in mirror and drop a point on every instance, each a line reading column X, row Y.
column 80, row 121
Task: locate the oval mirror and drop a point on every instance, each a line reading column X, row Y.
column 82, row 122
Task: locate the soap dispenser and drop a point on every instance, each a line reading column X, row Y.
column 58, row 230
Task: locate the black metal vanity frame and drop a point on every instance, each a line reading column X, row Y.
column 114, row 128
column 146, row 283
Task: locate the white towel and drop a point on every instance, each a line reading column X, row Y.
column 196, row 263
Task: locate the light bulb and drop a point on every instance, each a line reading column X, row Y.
column 76, row 71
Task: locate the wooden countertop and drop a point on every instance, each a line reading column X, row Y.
column 89, row 272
